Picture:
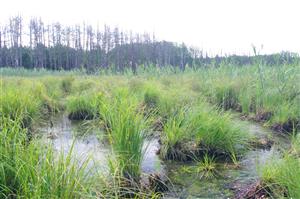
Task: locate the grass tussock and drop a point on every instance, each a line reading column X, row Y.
column 191, row 112
column 127, row 130
column 31, row 170
column 282, row 176
column 84, row 106
column 199, row 130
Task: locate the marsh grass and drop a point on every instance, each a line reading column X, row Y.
column 282, row 177
column 270, row 93
column 151, row 97
column 127, row 130
column 191, row 127
column 66, row 84
column 174, row 134
column 217, row 133
column 295, row 145
column 207, row 167
column 19, row 105
column 202, row 129
column 32, row 170
column 84, row 106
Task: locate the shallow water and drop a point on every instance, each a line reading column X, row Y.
column 91, row 143
column 189, row 185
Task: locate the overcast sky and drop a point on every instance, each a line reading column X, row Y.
column 227, row 26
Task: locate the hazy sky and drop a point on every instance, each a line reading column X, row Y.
column 227, row 26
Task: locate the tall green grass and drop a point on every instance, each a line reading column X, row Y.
column 33, row 170
column 205, row 128
column 19, row 105
column 84, row 106
column 282, row 177
column 268, row 94
column 217, row 133
column 174, row 135
column 127, row 128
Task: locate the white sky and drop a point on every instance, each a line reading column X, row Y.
column 216, row 26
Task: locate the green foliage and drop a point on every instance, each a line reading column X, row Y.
column 84, row 106
column 191, row 127
column 32, row 170
column 174, row 133
column 66, row 84
column 19, row 105
column 151, row 97
column 126, row 126
column 227, row 96
column 217, row 133
column 282, row 176
column 205, row 128
column 207, row 167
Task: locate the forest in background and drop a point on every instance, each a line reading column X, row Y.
column 56, row 46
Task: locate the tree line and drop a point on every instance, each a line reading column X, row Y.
column 56, row 46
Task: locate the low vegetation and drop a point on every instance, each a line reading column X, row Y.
column 192, row 115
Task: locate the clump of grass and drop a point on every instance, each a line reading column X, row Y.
column 32, row 170
column 83, row 107
column 136, row 84
column 127, row 128
column 174, row 134
column 200, row 130
column 66, row 84
column 226, row 96
column 282, row 177
column 19, row 105
column 49, row 102
column 295, row 145
column 217, row 133
column 207, row 167
column 247, row 101
column 171, row 102
column 151, row 97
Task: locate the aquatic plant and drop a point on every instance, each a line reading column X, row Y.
column 84, row 106
column 217, row 133
column 282, row 177
column 66, row 84
column 207, row 167
column 126, row 127
column 33, row 170
column 19, row 105
column 174, row 134
column 151, row 97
